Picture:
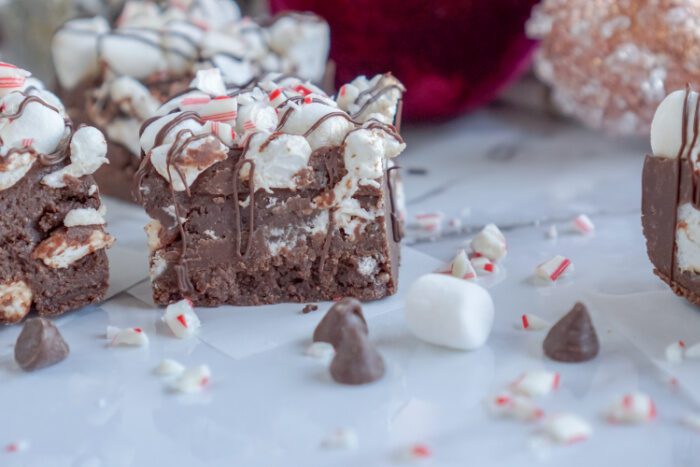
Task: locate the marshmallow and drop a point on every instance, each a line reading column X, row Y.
column 536, row 383
column 74, row 50
column 342, row 438
column 514, row 406
column 675, row 352
column 461, row 267
column 553, row 268
column 567, row 428
column 83, row 216
column 533, row 322
column 276, row 166
column 60, row 250
column 134, row 337
column 490, row 242
column 632, row 408
column 583, row 224
column 666, row 132
column 15, row 301
column 193, row 379
column 449, row 312
column 169, row 367
column 88, row 151
column 181, row 319
column 210, row 82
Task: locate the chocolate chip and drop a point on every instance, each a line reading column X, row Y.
column 309, row 308
column 356, row 360
column 39, row 345
column 573, row 337
column 338, row 317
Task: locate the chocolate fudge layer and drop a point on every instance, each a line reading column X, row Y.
column 273, row 193
column 52, row 239
column 116, row 77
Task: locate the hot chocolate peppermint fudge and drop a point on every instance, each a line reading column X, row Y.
column 274, row 192
column 52, row 237
column 116, row 77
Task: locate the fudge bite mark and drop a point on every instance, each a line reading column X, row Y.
column 273, row 182
column 51, row 233
column 116, row 76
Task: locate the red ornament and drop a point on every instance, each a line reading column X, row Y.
column 452, row 55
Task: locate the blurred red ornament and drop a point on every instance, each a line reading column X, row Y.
column 452, row 55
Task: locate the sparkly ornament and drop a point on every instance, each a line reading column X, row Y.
column 611, row 62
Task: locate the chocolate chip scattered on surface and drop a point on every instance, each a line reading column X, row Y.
column 573, row 338
column 40, row 345
column 337, row 318
column 309, row 308
column 356, row 360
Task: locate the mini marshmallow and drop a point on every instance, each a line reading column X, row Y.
column 482, row 265
column 449, row 312
column 193, row 379
column 553, row 269
column 533, row 322
column 490, row 242
column 583, row 224
column 566, row 428
column 536, row 383
column 209, row 81
column 693, row 351
column 181, row 319
column 134, row 337
column 169, row 367
column 321, row 350
column 342, row 438
column 461, row 267
column 632, row 408
column 88, row 151
column 514, row 406
column 674, row 352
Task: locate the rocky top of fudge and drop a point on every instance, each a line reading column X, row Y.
column 275, row 125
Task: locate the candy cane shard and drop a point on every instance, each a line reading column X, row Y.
column 532, row 322
column 514, row 406
column 490, row 242
column 461, row 267
column 632, row 408
column 181, row 319
column 134, row 337
column 583, row 224
column 536, row 383
column 553, row 269
column 566, row 428
column 193, row 380
column 675, row 351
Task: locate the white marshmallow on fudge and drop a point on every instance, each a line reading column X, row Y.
column 193, row 380
column 133, row 337
column 88, row 151
column 536, row 383
column 181, row 319
column 450, row 312
column 553, row 269
column 632, row 408
column 566, row 428
column 490, row 242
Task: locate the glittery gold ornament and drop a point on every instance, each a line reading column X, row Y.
column 610, row 62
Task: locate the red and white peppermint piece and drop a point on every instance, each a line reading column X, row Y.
column 11, row 78
column 169, row 367
column 112, row 331
column 461, row 267
column 193, row 379
column 692, row 421
column 692, row 351
column 277, row 97
column 321, row 350
column 566, row 428
column 181, row 319
column 430, row 222
column 632, row 408
column 483, row 265
column 341, row 438
column 17, row 446
column 490, row 242
column 134, row 337
column 533, row 322
column 536, row 383
column 675, row 351
column 514, row 406
column 553, row 269
column 223, row 131
column 418, row 451
column 583, row 224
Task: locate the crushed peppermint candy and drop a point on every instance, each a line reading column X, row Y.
column 514, row 406
column 321, row 350
column 583, row 224
column 692, row 421
column 169, row 367
column 566, row 428
column 632, row 408
column 490, row 242
column 483, row 265
column 193, row 379
column 552, row 232
column 536, row 383
column 532, row 322
column 692, row 351
column 17, row 446
column 341, row 438
column 430, row 222
column 417, row 451
column 181, row 319
column 134, row 337
column 675, row 351
column 461, row 267
column 553, row 269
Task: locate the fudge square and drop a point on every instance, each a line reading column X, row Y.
column 272, row 193
column 52, row 238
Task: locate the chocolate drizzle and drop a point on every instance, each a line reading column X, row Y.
column 396, row 229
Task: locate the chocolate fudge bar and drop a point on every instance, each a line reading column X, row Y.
column 52, row 237
column 274, row 192
column 116, row 77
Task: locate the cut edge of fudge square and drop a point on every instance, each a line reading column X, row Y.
column 52, row 235
column 115, row 76
column 300, row 206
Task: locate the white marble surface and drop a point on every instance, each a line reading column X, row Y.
column 274, row 406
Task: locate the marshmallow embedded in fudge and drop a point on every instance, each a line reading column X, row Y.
column 15, row 301
column 666, row 126
column 68, row 245
column 88, row 151
column 74, row 50
column 450, row 312
column 377, row 97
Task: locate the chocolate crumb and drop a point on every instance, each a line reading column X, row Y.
column 309, row 308
column 417, row 171
column 39, row 345
column 356, row 360
column 339, row 316
column 573, row 338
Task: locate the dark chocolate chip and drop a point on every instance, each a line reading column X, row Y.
column 573, row 337
column 309, row 308
column 39, row 345
column 338, row 317
column 356, row 360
